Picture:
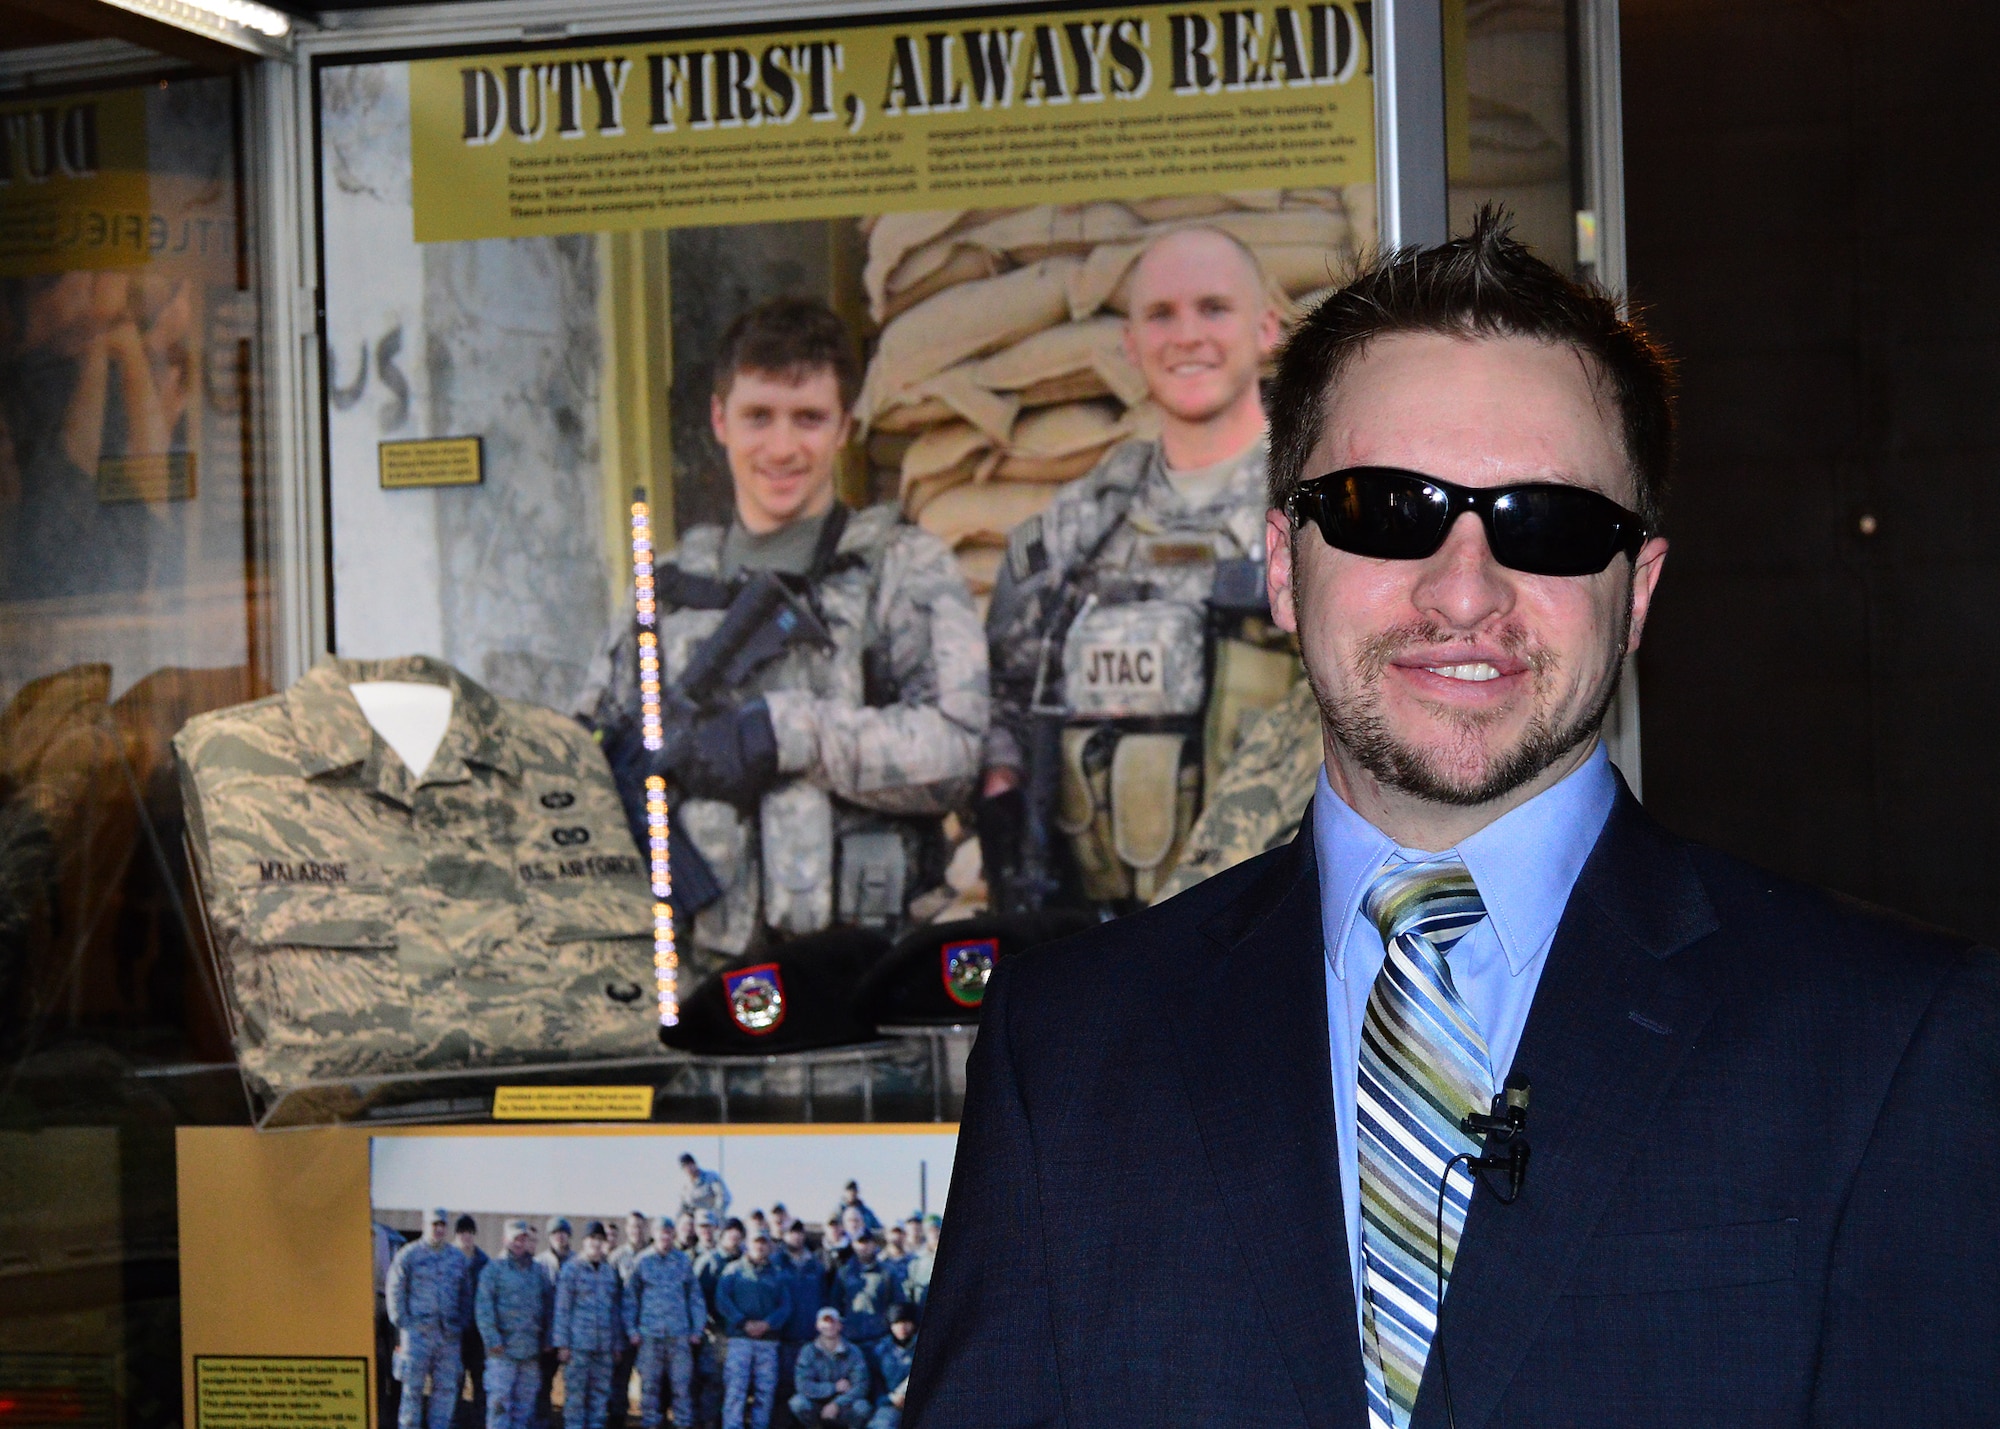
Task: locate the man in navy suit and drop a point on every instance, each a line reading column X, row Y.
column 1212, row 1168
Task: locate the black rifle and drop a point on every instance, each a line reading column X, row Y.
column 1028, row 888
column 767, row 615
column 764, row 617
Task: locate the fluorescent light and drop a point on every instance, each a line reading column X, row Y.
column 243, row 23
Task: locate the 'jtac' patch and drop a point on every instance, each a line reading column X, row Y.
column 1121, row 672
column 756, row 998
column 967, row 968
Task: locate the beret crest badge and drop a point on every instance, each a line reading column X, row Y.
column 756, row 998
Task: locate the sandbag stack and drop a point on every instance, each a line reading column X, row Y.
column 1000, row 373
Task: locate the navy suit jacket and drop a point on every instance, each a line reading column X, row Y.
column 1765, row 1187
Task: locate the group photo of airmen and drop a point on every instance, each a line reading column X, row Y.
column 696, row 1314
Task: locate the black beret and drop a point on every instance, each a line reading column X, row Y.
column 790, row 999
column 936, row 974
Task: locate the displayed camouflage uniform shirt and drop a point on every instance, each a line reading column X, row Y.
column 491, row 911
column 881, row 730
column 1162, row 549
column 1262, row 795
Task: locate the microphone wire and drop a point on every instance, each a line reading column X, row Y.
column 1473, row 1173
column 1437, row 1264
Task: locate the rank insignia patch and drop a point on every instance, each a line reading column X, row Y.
column 756, row 998
column 967, row 966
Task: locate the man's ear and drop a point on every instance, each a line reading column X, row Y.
column 715, row 422
column 1270, row 329
column 1278, row 572
column 1645, row 580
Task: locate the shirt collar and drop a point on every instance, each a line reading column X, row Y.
column 1525, row 862
column 335, row 735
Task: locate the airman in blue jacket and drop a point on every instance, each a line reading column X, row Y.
column 754, row 1301
column 893, row 1358
column 865, row 1291
column 831, row 1373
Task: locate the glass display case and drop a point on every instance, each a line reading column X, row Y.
column 244, row 317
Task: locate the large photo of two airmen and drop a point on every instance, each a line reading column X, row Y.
column 696, row 1318
column 871, row 724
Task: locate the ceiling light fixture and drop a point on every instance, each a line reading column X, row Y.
column 242, row 23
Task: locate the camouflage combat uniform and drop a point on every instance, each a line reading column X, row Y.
column 665, row 1308
column 1262, row 795
column 877, row 738
column 1133, row 565
column 589, row 1322
column 492, row 911
column 513, row 1305
column 426, row 1298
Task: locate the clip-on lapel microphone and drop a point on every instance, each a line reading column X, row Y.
column 1505, row 1130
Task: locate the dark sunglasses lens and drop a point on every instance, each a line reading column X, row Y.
column 1389, row 515
column 1556, row 530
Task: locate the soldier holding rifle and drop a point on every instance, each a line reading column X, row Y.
column 823, row 669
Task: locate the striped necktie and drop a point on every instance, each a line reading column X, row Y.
column 1423, row 1066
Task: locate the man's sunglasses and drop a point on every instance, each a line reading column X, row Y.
column 1542, row 528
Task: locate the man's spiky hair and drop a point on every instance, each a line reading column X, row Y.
column 1483, row 285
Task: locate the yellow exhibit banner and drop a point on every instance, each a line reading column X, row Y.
column 1133, row 102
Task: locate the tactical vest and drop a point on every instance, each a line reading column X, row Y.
column 1169, row 646
column 804, row 860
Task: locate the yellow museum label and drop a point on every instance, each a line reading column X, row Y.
column 280, row 1392
column 440, row 461
column 573, row 1104
column 1064, row 106
column 153, row 476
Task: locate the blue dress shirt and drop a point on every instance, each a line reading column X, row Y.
column 1525, row 864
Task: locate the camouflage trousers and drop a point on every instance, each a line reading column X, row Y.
column 669, row 1358
column 586, row 1389
column 431, row 1356
column 510, row 1391
column 749, row 1362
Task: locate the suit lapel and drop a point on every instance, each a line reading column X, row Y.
column 1613, row 1018
column 1254, row 1064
